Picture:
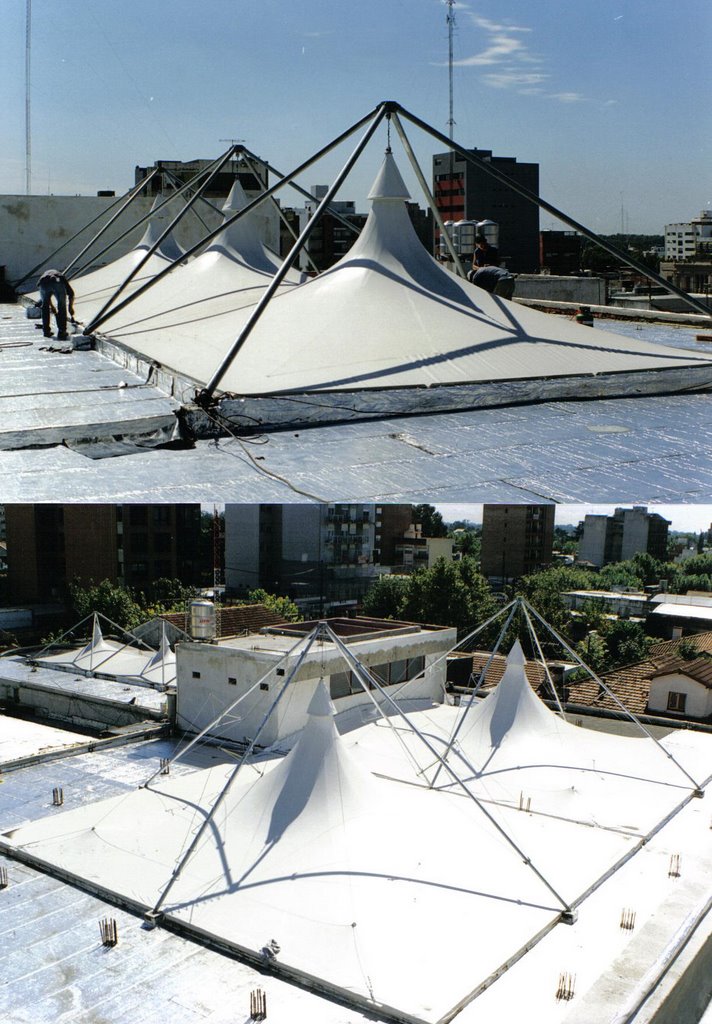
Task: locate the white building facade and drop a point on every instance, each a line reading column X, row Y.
column 689, row 240
column 211, row 677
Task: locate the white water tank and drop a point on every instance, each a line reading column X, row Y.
column 490, row 229
column 202, row 620
column 466, row 236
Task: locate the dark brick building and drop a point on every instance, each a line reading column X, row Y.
column 48, row 546
column 516, row 539
column 464, row 191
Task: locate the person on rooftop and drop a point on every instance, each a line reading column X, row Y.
column 485, row 254
column 486, row 272
column 54, row 285
column 496, row 280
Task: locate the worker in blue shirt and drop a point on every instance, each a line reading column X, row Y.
column 54, row 285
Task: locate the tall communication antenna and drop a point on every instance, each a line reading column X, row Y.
column 28, row 66
column 450, row 32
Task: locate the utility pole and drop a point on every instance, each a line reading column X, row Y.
column 28, row 67
column 450, row 18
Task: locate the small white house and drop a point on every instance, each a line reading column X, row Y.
column 683, row 688
column 211, row 677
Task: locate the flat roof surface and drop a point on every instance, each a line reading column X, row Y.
column 55, row 969
column 603, row 450
column 21, row 738
column 17, row 671
column 321, row 784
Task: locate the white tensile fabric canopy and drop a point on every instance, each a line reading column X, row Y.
column 511, row 749
column 112, row 658
column 201, row 297
column 92, row 290
column 354, row 882
column 389, row 316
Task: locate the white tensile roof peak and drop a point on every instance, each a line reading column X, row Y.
column 320, row 705
column 236, row 200
column 389, row 183
column 158, row 223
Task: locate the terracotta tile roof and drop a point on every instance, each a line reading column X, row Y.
column 478, row 659
column 631, row 683
column 234, row 620
column 700, row 670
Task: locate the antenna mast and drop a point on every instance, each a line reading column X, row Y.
column 28, row 137
column 450, row 30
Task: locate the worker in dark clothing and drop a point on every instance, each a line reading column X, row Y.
column 485, row 254
column 495, row 280
column 54, row 285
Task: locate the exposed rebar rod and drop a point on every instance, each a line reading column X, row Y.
column 103, row 314
column 559, row 214
column 362, row 672
column 428, row 195
column 475, row 691
column 535, row 640
column 224, row 713
column 131, row 195
column 630, row 714
column 233, row 774
column 257, row 201
column 205, row 395
column 280, row 212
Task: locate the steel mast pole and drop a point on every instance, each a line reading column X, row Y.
column 205, row 395
column 559, row 214
column 236, row 216
column 152, row 915
column 28, row 82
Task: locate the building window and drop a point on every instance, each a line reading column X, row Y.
column 676, row 701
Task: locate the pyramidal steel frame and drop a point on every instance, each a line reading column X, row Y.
column 387, row 109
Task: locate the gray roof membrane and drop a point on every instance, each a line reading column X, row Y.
column 79, row 427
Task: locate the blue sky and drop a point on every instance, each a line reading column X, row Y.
column 611, row 97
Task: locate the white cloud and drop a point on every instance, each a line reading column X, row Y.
column 501, row 47
column 567, row 97
column 513, row 79
column 505, row 48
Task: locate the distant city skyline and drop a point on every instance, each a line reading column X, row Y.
column 603, row 96
column 683, row 518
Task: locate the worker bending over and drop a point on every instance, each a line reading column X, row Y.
column 54, row 285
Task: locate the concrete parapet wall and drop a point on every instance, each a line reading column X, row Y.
column 79, row 710
column 589, row 290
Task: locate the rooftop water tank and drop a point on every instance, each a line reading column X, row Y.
column 202, row 620
column 490, row 229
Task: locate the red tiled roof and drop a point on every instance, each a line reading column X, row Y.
column 631, row 683
column 534, row 671
column 234, row 620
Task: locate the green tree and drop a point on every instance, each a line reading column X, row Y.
column 544, row 589
column 110, row 599
column 430, row 520
column 594, row 652
column 283, row 606
column 171, row 595
column 687, row 649
column 619, row 574
column 626, row 641
column 450, row 594
column 387, row 597
column 468, row 542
